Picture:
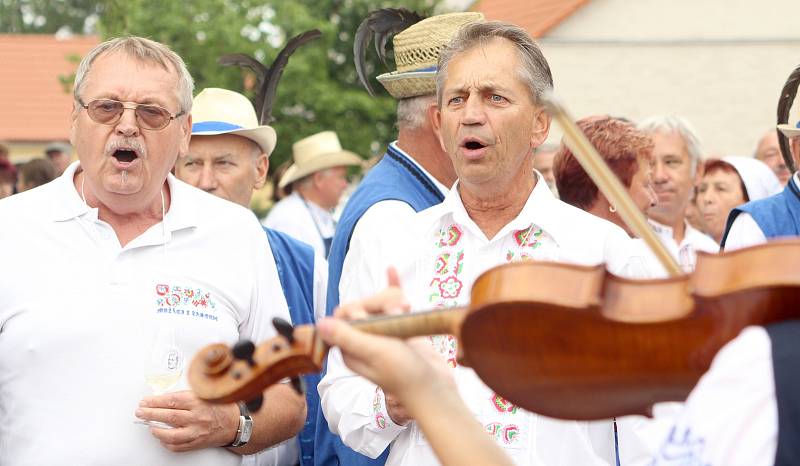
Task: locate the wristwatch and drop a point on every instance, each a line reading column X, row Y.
column 245, row 427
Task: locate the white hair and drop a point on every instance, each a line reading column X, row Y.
column 412, row 112
column 678, row 125
column 146, row 51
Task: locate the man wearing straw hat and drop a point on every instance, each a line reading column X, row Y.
column 415, row 172
column 491, row 79
column 229, row 157
column 774, row 217
column 318, row 178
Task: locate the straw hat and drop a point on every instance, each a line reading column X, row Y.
column 220, row 111
column 315, row 153
column 416, row 54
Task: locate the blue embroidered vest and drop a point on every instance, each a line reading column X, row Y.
column 785, row 360
column 777, row 215
column 295, row 263
column 395, row 177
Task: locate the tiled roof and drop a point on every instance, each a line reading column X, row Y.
column 33, row 103
column 535, row 16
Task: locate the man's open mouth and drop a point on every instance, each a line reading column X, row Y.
column 472, row 143
column 125, row 155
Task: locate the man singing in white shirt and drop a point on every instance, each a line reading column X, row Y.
column 490, row 120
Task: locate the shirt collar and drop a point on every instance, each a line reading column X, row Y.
column 441, row 187
column 690, row 233
column 542, row 209
column 68, row 201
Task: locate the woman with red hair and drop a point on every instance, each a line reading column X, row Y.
column 626, row 150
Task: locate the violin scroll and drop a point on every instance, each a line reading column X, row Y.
column 221, row 374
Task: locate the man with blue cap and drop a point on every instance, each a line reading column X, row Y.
column 228, row 156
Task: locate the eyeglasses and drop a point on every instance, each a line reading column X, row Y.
column 109, row 112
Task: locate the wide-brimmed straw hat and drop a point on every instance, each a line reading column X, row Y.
column 317, row 152
column 220, row 111
column 416, row 54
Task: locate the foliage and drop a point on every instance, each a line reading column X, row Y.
column 319, row 89
column 48, row 16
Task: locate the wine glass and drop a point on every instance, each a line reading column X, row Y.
column 163, row 367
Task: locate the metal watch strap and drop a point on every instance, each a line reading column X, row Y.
column 245, row 429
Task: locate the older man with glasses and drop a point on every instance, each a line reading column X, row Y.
column 86, row 359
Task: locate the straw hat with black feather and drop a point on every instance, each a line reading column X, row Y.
column 416, row 54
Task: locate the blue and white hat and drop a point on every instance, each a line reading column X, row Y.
column 220, row 111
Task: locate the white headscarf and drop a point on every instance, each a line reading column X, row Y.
column 759, row 180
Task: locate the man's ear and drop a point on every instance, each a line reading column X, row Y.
column 435, row 119
column 186, row 134
column 262, row 166
column 541, row 127
column 73, row 127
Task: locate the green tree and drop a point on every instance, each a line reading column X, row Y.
column 48, row 16
column 319, row 89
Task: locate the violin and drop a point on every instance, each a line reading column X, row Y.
column 582, row 344
column 576, row 346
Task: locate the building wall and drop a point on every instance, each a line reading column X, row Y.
column 719, row 63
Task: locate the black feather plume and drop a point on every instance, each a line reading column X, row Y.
column 785, row 102
column 270, row 85
column 382, row 24
column 267, row 78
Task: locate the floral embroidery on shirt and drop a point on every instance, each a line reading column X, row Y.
column 449, row 236
column 503, row 406
column 377, row 409
column 445, row 284
column 531, row 238
column 175, row 295
column 442, row 264
column 510, row 433
column 493, row 429
column 450, row 287
column 447, row 346
column 525, row 242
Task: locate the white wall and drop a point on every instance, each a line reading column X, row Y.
column 719, row 63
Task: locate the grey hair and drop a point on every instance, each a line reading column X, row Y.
column 678, row 125
column 535, row 71
column 412, row 113
column 145, row 51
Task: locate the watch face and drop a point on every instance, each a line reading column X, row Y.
column 247, row 429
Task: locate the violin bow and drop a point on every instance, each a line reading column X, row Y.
column 607, row 182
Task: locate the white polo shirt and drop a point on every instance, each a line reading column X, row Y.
column 78, row 313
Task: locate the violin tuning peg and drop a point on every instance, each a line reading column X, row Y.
column 244, row 349
column 285, row 329
column 255, row 404
column 299, row 385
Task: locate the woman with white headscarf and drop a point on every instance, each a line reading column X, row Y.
column 730, row 182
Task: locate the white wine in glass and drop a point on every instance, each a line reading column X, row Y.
column 163, row 367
